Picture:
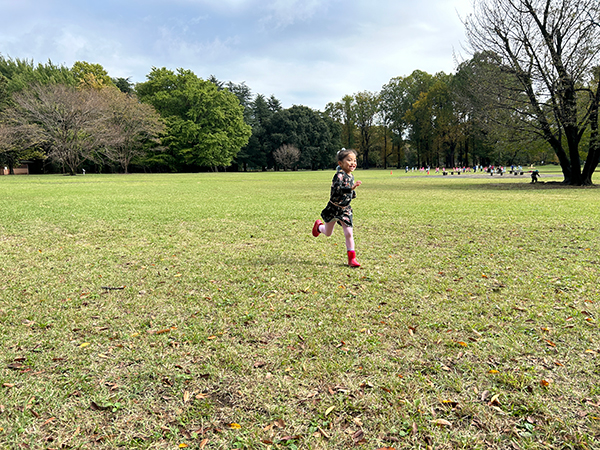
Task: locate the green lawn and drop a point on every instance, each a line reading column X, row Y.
column 197, row 310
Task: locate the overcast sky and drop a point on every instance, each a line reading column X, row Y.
column 305, row 52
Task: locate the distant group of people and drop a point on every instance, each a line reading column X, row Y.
column 427, row 169
column 491, row 169
column 464, row 169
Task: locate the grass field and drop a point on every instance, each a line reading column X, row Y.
column 197, row 311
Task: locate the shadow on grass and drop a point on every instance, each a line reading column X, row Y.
column 504, row 184
column 539, row 186
column 290, row 261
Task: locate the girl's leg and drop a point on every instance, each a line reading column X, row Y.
column 349, row 235
column 327, row 228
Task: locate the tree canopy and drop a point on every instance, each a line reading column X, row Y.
column 315, row 135
column 204, row 125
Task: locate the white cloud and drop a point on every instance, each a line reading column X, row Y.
column 304, row 52
column 282, row 13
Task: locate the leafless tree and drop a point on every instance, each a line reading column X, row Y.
column 287, row 156
column 5, row 137
column 128, row 127
column 76, row 124
column 63, row 118
column 6, row 144
column 551, row 49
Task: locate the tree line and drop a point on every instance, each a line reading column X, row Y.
column 530, row 92
column 80, row 118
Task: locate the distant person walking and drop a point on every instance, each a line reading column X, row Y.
column 338, row 210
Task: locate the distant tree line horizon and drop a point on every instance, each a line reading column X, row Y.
column 386, row 131
column 527, row 94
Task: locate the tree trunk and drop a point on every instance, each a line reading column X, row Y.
column 385, row 155
column 593, row 157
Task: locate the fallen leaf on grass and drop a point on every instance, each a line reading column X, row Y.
column 331, row 408
column 323, row 432
column 358, row 435
column 48, row 421
column 279, row 423
column 451, row 403
column 203, row 443
column 546, row 382
column 495, row 400
column 8, row 385
column 186, row 396
column 96, row 407
column 442, row 423
column 235, row 426
column 550, row 343
column 85, row 344
column 165, row 330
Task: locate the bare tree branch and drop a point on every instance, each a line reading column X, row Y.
column 60, row 116
column 551, row 48
column 287, row 156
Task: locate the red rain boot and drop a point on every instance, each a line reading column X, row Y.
column 315, row 230
column 352, row 262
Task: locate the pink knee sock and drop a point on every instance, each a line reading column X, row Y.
column 349, row 235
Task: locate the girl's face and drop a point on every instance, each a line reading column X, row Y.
column 348, row 164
